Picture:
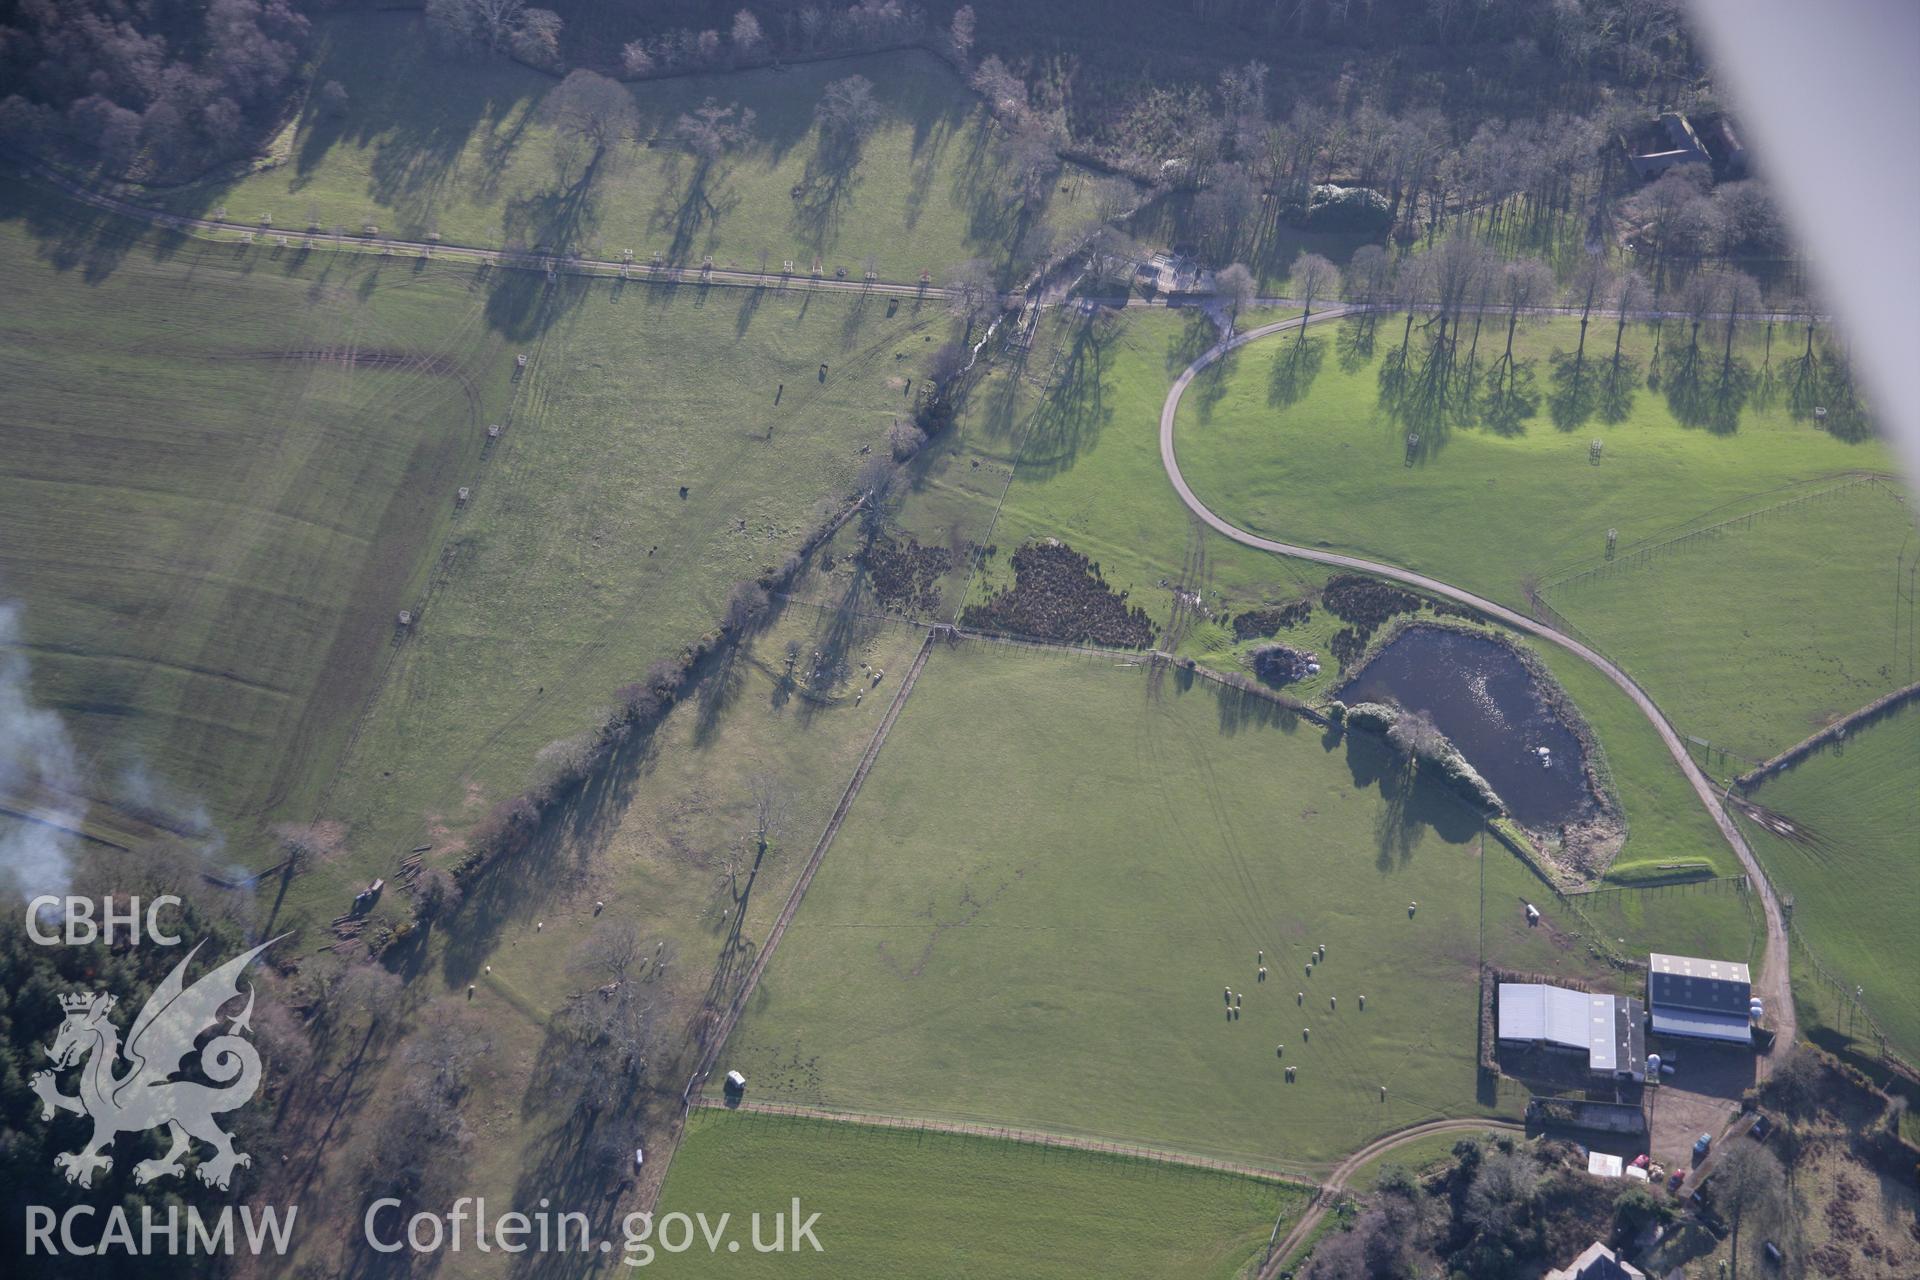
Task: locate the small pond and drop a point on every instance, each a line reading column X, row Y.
column 1491, row 707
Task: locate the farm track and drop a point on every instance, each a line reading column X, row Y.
column 1776, row 981
column 1029, row 1137
column 1336, row 1182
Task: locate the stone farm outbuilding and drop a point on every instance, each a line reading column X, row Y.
column 1608, row 1029
column 1700, row 999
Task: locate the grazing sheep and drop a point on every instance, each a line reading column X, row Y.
column 1279, row 1051
column 1383, row 1093
column 1229, row 991
column 1299, row 997
column 1260, row 957
column 1236, row 1002
column 1333, row 1002
column 1363, row 1004
column 1306, row 1033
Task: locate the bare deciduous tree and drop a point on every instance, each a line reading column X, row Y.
column 1748, row 1184
column 485, row 24
column 1369, row 275
column 746, row 35
column 1526, row 284
column 960, row 34
column 594, row 111
column 1234, row 285
column 972, row 292
column 847, row 111
column 1312, row 277
column 710, row 130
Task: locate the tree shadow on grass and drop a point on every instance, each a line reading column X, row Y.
column 1294, row 369
column 1069, row 420
column 1242, row 709
column 1353, row 342
column 1577, row 388
column 78, row 237
column 1617, row 390
column 1705, row 393
column 826, row 191
column 1412, row 803
column 1192, row 341
column 1510, row 398
column 694, row 200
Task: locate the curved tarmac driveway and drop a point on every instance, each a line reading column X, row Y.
column 1775, row 981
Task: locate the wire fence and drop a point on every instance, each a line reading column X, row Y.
column 1850, row 998
column 1044, row 1142
column 1635, row 557
column 1710, row 884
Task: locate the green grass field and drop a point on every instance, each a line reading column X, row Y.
column 435, row 143
column 653, row 842
column 1303, row 449
column 1061, row 453
column 1758, row 634
column 221, row 473
column 1852, row 882
column 577, row 563
column 1665, row 821
column 1053, row 872
column 905, row 1204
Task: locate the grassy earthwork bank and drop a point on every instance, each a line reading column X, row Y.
column 661, row 446
column 895, row 1203
column 222, row 475
column 1059, row 863
column 660, row 843
column 430, row 142
column 1849, row 870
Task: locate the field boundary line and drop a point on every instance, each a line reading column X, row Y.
column 1639, row 554
column 1813, row 742
column 724, row 1028
column 1011, row 1133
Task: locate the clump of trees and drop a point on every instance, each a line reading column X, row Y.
column 791, row 31
column 147, row 91
column 498, row 26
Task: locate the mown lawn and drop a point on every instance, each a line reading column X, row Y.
column 905, row 1204
column 431, row 142
column 1059, row 863
column 1851, row 878
column 1296, row 443
column 220, row 474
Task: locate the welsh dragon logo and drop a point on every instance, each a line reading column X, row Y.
column 145, row 1096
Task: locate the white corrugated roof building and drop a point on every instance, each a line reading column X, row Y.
column 1606, row 1028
